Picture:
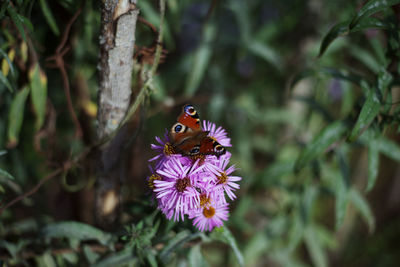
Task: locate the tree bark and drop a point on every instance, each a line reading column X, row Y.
column 117, row 40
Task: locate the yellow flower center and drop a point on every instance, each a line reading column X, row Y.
column 223, row 178
column 181, row 184
column 152, row 178
column 209, row 212
column 204, row 200
column 168, row 149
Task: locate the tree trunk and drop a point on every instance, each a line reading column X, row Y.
column 117, row 40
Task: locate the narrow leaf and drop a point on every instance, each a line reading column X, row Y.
column 196, row 259
column 342, row 190
column 16, row 116
column 5, row 174
column 125, row 257
column 76, row 230
column 7, row 65
column 49, row 17
column 17, row 20
column 370, row 8
column 368, row 112
column 4, row 80
column 373, row 164
column 200, row 61
column 389, row 148
column 339, row 29
column 321, row 142
column 343, row 29
column 38, row 84
column 361, row 204
column 315, row 248
column 224, row 235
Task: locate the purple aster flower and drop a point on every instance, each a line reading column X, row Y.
column 208, row 217
column 193, row 185
column 218, row 134
column 163, row 148
column 177, row 189
column 223, row 180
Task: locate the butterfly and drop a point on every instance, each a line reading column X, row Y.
column 189, row 139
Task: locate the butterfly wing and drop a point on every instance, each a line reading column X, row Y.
column 189, row 140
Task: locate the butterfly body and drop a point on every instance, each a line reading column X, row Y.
column 189, row 139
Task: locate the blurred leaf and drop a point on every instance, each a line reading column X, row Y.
column 368, row 112
column 384, row 80
column 314, row 247
column 200, row 60
column 296, row 231
column 125, row 257
column 224, row 235
column 76, row 230
column 320, row 143
column 196, row 259
column 17, row 19
column 343, row 28
column 342, row 189
column 4, row 80
column 176, row 242
column 16, row 116
column 5, row 174
column 370, row 8
column 339, row 29
column 45, row 260
column 90, row 255
column 389, row 148
column 362, row 206
column 38, row 84
column 6, row 64
column 265, row 52
column 49, row 17
column 3, row 152
column 373, row 163
column 343, row 75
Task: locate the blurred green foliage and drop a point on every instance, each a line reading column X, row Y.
column 308, row 91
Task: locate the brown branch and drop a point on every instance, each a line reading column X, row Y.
column 61, row 50
column 65, row 167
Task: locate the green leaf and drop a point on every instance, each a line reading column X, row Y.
column 343, row 29
column 5, row 81
column 38, row 84
column 368, row 112
column 314, row 247
column 200, row 60
column 361, row 204
column 342, row 188
column 373, row 164
column 3, row 152
column 78, row 231
column 321, row 142
column 125, row 257
column 16, row 116
column 339, row 29
column 16, row 18
column 5, row 174
column 224, row 235
column 175, row 243
column 196, row 259
column 265, row 52
column 370, row 8
column 90, row 255
column 49, row 17
column 389, row 148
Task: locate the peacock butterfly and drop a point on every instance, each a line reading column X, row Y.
column 189, row 139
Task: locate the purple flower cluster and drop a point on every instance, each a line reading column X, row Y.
column 194, row 186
